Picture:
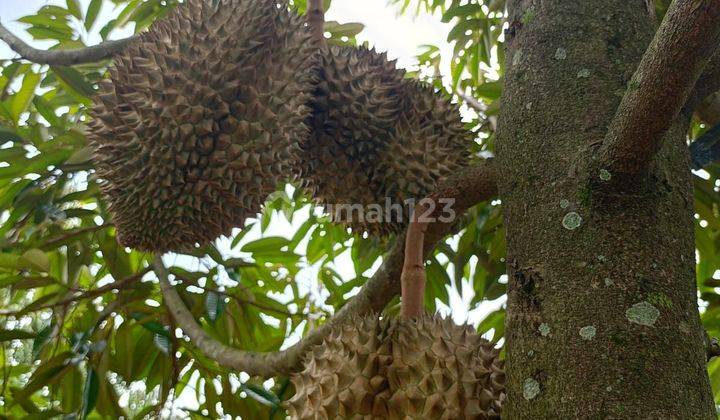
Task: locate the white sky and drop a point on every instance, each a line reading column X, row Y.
column 400, row 36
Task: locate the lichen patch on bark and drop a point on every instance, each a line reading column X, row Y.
column 643, row 313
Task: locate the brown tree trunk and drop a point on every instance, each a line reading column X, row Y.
column 602, row 307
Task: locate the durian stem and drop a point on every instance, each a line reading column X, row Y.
column 316, row 19
column 412, row 279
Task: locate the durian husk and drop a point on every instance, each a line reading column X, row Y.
column 377, row 137
column 400, row 368
column 201, row 120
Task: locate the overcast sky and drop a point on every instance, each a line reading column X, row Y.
column 400, row 36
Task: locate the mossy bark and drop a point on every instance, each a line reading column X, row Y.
column 616, row 295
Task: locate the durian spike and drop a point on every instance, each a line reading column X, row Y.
column 412, row 279
column 316, row 19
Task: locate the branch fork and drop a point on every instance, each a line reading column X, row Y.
column 660, row 88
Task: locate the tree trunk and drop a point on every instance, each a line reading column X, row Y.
column 602, row 312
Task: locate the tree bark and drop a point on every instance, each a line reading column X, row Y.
column 602, row 315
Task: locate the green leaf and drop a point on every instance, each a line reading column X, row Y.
column 260, row 394
column 490, row 90
column 493, row 321
column 83, row 155
column 47, row 372
column 47, row 21
column 9, row 72
column 57, row 11
column 74, row 8
column 92, row 12
column 74, row 80
column 36, row 259
column 270, row 244
column 105, row 30
column 47, row 111
column 10, row 261
column 346, row 29
column 8, row 134
column 240, row 235
column 437, row 280
column 459, row 32
column 40, row 340
column 7, row 335
column 461, row 11
column 40, row 33
column 24, row 96
column 152, row 326
column 90, row 392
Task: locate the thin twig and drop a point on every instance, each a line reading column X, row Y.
column 238, row 299
column 60, row 240
column 89, row 294
column 479, row 107
column 472, row 102
column 92, row 54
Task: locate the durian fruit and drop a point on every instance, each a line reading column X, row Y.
column 400, row 368
column 377, row 138
column 201, row 120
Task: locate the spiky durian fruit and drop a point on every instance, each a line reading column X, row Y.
column 201, row 119
column 377, row 138
column 424, row 368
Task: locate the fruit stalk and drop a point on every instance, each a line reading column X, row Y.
column 316, row 19
column 412, row 278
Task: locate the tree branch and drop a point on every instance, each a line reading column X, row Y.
column 99, row 52
column 316, row 19
column 467, row 188
column 661, row 86
column 479, row 107
column 708, row 82
column 472, row 102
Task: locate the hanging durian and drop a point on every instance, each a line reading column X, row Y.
column 412, row 367
column 201, row 120
column 376, row 135
column 420, row 368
